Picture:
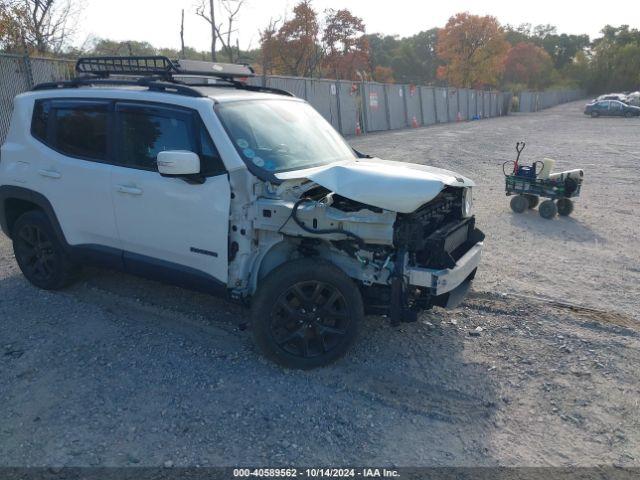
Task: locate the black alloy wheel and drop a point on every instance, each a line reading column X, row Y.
column 309, row 319
column 35, row 253
column 40, row 255
column 305, row 313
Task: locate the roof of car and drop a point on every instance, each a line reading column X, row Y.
column 219, row 94
column 226, row 94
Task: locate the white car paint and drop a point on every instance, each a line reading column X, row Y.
column 164, row 218
column 78, row 190
column 395, row 186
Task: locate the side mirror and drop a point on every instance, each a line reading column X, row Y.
column 175, row 163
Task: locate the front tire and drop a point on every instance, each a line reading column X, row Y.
column 306, row 314
column 40, row 256
column 548, row 209
column 519, row 203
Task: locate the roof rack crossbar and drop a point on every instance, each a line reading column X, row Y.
column 156, row 84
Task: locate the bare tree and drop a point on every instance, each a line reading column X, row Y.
column 210, row 17
column 45, row 25
column 232, row 9
column 182, row 35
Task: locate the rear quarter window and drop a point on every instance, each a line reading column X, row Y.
column 77, row 129
column 40, row 120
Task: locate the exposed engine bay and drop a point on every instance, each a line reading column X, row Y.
column 374, row 246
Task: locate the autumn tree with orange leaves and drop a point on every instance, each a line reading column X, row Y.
column 346, row 47
column 529, row 65
column 296, row 43
column 300, row 47
column 473, row 49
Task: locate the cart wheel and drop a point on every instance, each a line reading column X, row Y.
column 565, row 207
column 548, row 209
column 534, row 200
column 519, row 204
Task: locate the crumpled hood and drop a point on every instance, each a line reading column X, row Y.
column 395, row 186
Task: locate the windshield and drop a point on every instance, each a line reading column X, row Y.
column 281, row 135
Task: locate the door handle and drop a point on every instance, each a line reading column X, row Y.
column 50, row 174
column 129, row 190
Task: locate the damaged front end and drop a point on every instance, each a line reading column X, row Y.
column 443, row 249
column 403, row 262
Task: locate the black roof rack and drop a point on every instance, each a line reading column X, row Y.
column 160, row 66
column 105, row 66
column 158, row 73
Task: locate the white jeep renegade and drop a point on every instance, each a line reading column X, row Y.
column 220, row 186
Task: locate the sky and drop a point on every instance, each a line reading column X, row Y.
column 157, row 21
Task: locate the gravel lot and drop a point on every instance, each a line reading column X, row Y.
column 121, row 371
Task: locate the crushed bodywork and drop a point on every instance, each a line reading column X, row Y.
column 397, row 229
column 396, row 186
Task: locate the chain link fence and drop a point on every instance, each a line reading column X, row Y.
column 353, row 108
column 19, row 74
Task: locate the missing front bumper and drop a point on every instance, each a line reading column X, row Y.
column 444, row 281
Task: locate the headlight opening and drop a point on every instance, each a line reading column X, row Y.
column 467, row 203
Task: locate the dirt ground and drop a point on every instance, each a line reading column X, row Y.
column 591, row 258
column 118, row 371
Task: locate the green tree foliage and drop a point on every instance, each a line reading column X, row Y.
column 615, row 65
column 411, row 59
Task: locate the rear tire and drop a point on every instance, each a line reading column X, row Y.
column 595, row 114
column 519, row 203
column 565, row 207
column 306, row 314
column 40, row 255
column 548, row 209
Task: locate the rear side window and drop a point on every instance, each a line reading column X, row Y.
column 74, row 128
column 81, row 130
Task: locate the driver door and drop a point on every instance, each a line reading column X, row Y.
column 170, row 228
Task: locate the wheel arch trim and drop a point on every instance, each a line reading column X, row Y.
column 10, row 192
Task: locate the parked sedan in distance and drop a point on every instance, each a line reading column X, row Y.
column 611, row 108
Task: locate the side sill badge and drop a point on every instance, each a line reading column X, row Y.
column 204, row 252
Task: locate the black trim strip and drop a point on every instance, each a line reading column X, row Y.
column 204, row 252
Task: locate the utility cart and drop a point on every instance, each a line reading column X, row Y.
column 530, row 183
